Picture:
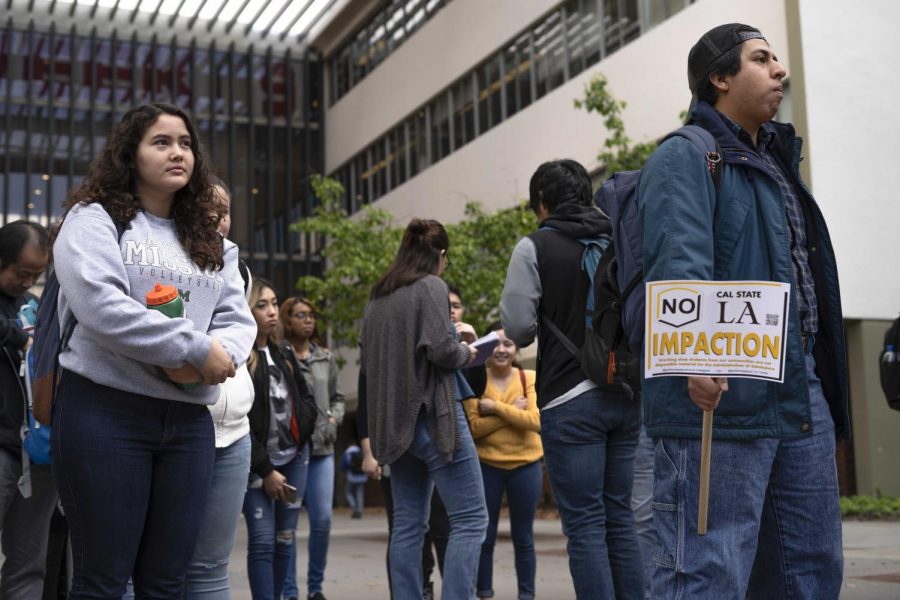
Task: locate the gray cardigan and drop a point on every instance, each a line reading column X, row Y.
column 409, row 355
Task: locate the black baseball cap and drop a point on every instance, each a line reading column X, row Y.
column 712, row 46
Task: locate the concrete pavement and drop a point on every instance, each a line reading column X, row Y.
column 356, row 568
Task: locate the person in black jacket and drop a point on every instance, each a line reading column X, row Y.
column 24, row 521
column 281, row 422
column 589, row 435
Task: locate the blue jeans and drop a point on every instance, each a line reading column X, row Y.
column 270, row 530
column 413, row 476
column 523, row 492
column 589, row 446
column 207, row 574
column 319, row 501
column 133, row 473
column 356, row 495
column 642, row 506
column 24, row 523
column 771, row 500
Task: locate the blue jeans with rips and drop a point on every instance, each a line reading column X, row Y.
column 523, row 492
column 270, row 530
column 207, row 573
column 589, row 446
column 319, row 502
column 774, row 522
column 413, row 476
column 133, row 474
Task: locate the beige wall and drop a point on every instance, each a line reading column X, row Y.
column 457, row 38
column 649, row 74
column 851, row 78
column 876, row 428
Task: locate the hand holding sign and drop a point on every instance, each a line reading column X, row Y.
column 708, row 330
column 707, row 391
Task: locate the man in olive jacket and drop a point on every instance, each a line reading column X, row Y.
column 774, row 524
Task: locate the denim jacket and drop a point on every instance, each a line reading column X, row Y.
column 690, row 233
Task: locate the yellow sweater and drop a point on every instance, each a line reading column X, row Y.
column 510, row 438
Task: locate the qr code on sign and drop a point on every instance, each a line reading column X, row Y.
column 772, row 320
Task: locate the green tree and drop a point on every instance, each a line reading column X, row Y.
column 480, row 247
column 618, row 152
column 357, row 251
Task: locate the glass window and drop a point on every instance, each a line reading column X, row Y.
column 549, row 55
column 400, row 150
column 384, row 33
column 511, row 64
column 660, row 10
column 622, row 23
column 378, row 171
column 575, row 33
column 440, row 127
column 490, row 112
column 463, row 112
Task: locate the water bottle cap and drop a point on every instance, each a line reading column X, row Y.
column 161, row 294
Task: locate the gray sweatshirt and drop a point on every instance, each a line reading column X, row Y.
column 118, row 341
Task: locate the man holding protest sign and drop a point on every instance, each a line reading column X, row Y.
column 774, row 523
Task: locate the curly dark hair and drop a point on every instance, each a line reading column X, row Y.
column 111, row 181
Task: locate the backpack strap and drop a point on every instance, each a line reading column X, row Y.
column 522, row 379
column 704, row 141
column 708, row 146
column 559, row 335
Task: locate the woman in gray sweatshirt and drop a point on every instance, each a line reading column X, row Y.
column 133, row 451
column 416, row 424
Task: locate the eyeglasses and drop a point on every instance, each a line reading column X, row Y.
column 302, row 316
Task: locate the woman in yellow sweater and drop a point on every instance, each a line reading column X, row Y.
column 506, row 425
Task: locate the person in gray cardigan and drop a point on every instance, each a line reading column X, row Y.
column 409, row 352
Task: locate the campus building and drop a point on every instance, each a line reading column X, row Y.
column 70, row 69
column 420, row 106
column 469, row 104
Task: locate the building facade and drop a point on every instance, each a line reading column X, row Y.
column 420, row 106
column 482, row 93
column 257, row 107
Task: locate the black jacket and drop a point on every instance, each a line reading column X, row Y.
column 260, row 412
column 12, row 399
column 565, row 288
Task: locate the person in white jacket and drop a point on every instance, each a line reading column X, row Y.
column 207, row 574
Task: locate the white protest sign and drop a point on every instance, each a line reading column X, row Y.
column 716, row 328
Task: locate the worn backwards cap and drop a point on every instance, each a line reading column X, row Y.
column 712, row 46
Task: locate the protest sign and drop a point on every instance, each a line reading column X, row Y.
column 716, row 328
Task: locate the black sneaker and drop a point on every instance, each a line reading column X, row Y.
column 317, row 596
column 428, row 592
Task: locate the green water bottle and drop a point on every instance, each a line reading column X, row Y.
column 167, row 300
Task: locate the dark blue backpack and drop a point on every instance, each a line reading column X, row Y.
column 49, row 342
column 614, row 310
column 624, row 274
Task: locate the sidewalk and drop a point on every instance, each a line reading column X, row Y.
column 356, row 568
